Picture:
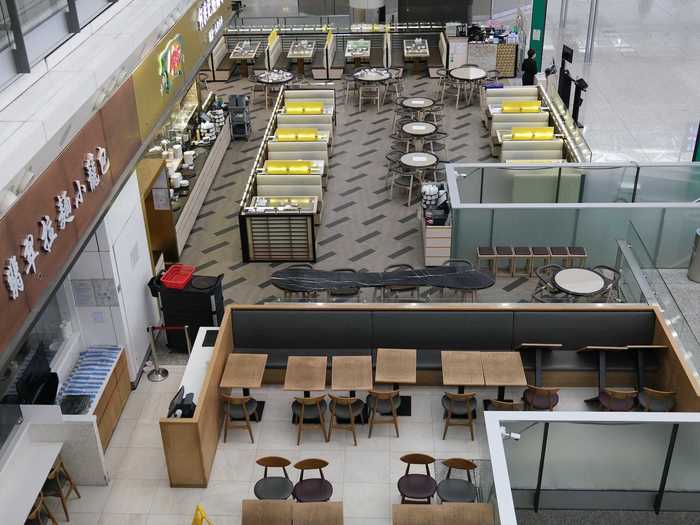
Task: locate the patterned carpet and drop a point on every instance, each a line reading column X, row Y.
column 363, row 227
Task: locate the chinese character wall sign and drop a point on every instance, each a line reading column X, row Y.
column 170, row 64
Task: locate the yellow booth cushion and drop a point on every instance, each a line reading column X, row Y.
column 532, row 134
column 521, row 106
column 304, row 108
column 296, row 134
column 291, row 167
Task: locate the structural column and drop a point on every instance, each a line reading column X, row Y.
column 539, row 20
column 590, row 35
column 563, row 14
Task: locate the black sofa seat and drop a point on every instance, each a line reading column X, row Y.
column 562, row 360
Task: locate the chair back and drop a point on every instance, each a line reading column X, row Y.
column 621, row 395
column 233, row 400
column 35, row 513
column 465, row 398
column 503, row 406
column 341, row 400
column 546, row 273
column 384, row 394
column 459, row 464
column 418, row 459
column 549, row 394
column 310, row 464
column 310, row 400
column 274, row 462
column 658, row 394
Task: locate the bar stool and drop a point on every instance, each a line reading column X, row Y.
column 56, row 482
column 522, row 253
column 656, row 400
column 504, row 253
column 540, row 252
column 577, row 256
column 485, row 253
column 559, row 252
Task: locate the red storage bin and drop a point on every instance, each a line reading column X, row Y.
column 177, row 276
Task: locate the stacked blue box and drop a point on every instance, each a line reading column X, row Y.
column 90, row 372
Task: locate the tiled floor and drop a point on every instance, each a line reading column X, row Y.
column 363, row 477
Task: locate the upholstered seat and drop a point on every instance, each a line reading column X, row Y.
column 276, row 487
column 656, row 400
column 237, row 411
column 460, row 408
column 417, row 486
column 312, row 490
column 457, row 490
column 343, row 411
column 613, row 401
column 310, row 411
column 541, row 398
column 383, row 405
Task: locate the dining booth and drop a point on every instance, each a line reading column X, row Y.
column 282, row 202
column 569, row 337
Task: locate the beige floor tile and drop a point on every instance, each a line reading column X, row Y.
column 232, row 464
column 93, row 499
column 155, row 406
column 146, row 434
column 414, row 436
column 367, row 500
column 140, row 463
column 123, row 519
column 134, row 405
column 220, row 497
column 123, row 433
column 79, row 518
column 131, row 496
column 366, row 467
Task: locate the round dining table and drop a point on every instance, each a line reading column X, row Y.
column 579, row 281
column 418, row 160
column 372, row 75
column 467, row 73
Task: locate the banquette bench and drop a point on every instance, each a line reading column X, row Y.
column 310, row 331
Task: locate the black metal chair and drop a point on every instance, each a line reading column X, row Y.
column 345, row 293
column 312, row 489
column 397, row 290
column 273, row 487
column 417, row 487
column 455, row 489
column 612, row 282
column 545, row 291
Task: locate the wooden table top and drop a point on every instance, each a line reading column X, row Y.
column 351, row 372
column 325, row 513
column 244, row 371
column 267, row 512
column 305, row 373
column 396, row 365
column 462, row 368
column 503, row 369
column 445, row 514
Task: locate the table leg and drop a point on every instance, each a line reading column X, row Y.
column 601, row 376
column 300, row 66
column 352, row 393
column 501, row 393
column 460, row 389
column 538, row 367
column 246, row 392
column 419, row 144
column 307, row 393
column 244, row 69
column 395, row 386
column 640, row 370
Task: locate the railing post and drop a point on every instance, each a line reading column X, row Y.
column 543, row 453
column 19, row 53
column 664, row 475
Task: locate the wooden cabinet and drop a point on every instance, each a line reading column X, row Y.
column 437, row 242
column 113, row 399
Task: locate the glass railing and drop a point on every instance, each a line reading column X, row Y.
column 652, row 284
column 10, row 418
column 571, row 182
column 5, row 27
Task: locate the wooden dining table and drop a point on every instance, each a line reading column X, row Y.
column 461, row 369
column 503, row 369
column 244, row 371
column 396, row 366
column 306, row 373
column 351, row 373
column 444, row 514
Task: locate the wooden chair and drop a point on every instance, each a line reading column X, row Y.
column 39, row 512
column 656, row 400
column 616, row 400
column 239, row 409
column 345, row 408
column 540, row 398
column 273, row 487
column 384, row 402
column 459, row 405
column 458, row 490
column 522, row 254
column 312, row 489
column 56, row 483
column 561, row 253
column 504, row 406
column 540, row 252
column 308, row 409
column 417, row 487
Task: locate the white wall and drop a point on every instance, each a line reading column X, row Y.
column 119, row 251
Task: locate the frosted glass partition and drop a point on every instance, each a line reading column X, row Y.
column 589, row 454
column 570, row 183
column 667, row 229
